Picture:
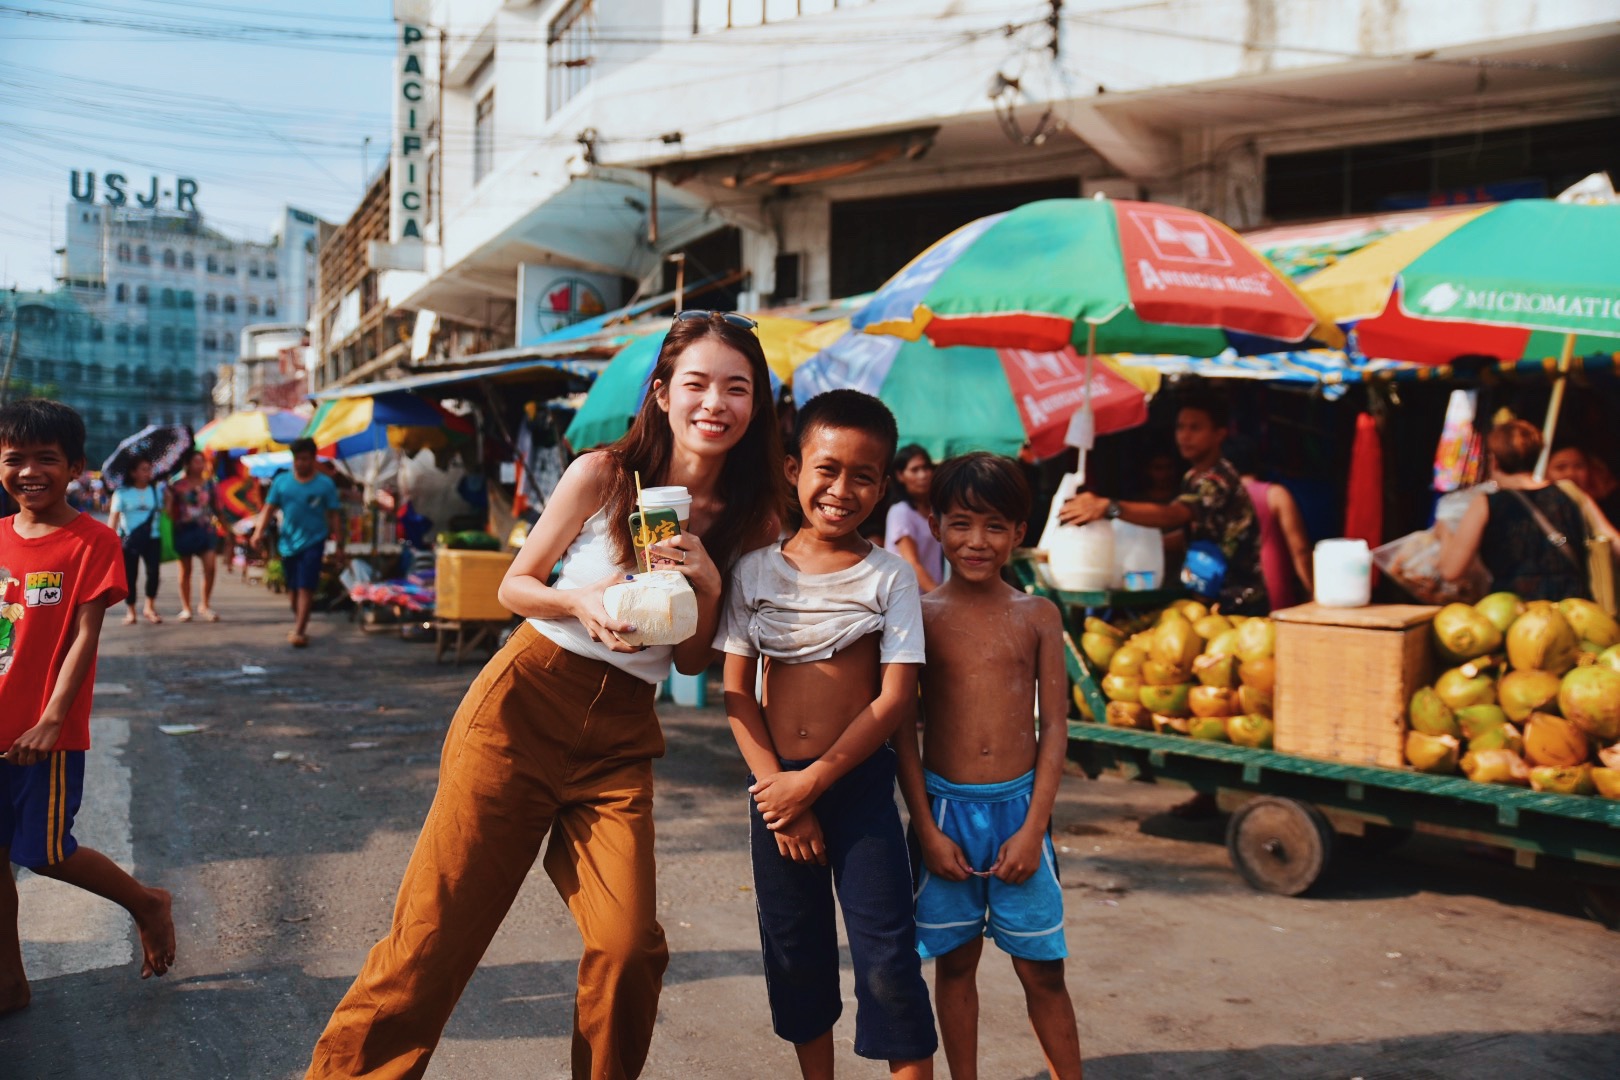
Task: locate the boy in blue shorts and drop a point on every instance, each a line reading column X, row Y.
column 836, row 619
column 981, row 793
column 59, row 572
column 310, row 513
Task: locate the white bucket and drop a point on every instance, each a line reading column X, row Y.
column 1343, row 572
column 1080, row 558
column 1138, row 557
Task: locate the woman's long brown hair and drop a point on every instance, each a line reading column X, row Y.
column 752, row 483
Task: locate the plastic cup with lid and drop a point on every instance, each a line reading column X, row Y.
column 672, row 497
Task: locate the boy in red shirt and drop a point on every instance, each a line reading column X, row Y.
column 59, row 572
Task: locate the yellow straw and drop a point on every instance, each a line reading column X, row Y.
column 639, row 506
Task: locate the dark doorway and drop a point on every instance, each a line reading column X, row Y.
column 872, row 238
column 714, row 258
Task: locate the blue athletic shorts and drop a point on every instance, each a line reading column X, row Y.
column 37, row 806
column 1023, row 920
column 303, row 568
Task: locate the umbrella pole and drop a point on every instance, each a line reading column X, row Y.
column 1554, row 405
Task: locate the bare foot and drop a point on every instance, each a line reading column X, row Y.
column 153, row 617
column 129, row 618
column 156, row 925
column 297, row 640
column 14, row 995
column 209, row 615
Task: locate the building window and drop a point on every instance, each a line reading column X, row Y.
column 121, row 293
column 270, row 270
column 252, row 305
column 166, row 337
column 210, row 341
column 121, row 375
column 186, row 339
column 121, row 335
column 95, row 330
column 213, row 264
column 168, row 298
column 93, row 374
column 484, row 137
column 141, row 295
column 570, row 52
column 168, row 258
column 143, row 256
column 230, row 305
column 230, row 266
column 188, row 261
column 188, row 299
column 123, row 253
column 253, row 268
column 74, row 372
column 143, row 336
column 211, row 302
column 269, row 309
column 142, row 376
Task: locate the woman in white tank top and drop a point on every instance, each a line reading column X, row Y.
column 553, row 744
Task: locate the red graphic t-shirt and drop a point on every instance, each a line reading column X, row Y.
column 43, row 582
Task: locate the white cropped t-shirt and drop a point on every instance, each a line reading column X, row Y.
column 588, row 560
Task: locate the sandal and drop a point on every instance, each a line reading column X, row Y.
column 209, row 615
column 297, row 640
column 130, row 619
column 152, row 617
column 184, row 616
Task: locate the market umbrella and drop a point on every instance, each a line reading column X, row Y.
column 1514, row 281
column 345, row 427
column 252, row 429
column 164, row 446
column 1101, row 275
column 954, row 400
column 616, row 396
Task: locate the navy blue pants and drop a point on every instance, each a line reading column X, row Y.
column 868, row 863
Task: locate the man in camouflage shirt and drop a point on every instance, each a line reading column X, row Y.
column 1212, row 506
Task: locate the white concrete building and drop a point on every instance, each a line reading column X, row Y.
column 816, row 145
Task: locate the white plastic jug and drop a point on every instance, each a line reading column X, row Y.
column 1343, row 571
column 1138, row 557
column 1080, row 558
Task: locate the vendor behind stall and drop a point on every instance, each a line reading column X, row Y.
column 1213, row 506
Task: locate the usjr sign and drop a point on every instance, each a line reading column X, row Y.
column 82, row 186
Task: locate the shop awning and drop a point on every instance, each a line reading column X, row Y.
column 520, row 364
column 1329, row 370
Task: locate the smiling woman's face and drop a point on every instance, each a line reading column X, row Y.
column 710, row 397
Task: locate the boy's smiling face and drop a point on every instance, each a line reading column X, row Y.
column 840, row 475
column 977, row 543
column 36, row 476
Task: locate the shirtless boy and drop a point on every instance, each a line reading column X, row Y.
column 981, row 794
column 837, row 621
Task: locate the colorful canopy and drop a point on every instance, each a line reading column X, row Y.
column 350, row 426
column 1147, row 277
column 1508, row 281
column 618, row 392
column 252, row 429
column 1329, row 370
column 954, row 400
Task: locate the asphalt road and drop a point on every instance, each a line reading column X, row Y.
column 283, row 825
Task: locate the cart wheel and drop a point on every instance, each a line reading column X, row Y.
column 1279, row 845
column 1602, row 903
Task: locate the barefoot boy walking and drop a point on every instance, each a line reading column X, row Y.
column 837, row 622
column 59, row 572
column 981, row 794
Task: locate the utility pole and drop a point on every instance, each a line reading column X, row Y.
column 1055, row 21
column 11, row 356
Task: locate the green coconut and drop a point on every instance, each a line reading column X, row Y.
column 1429, row 714
column 1474, row 720
column 1223, row 644
column 1100, row 648
column 1542, row 639
column 1157, row 674
column 1170, row 725
column 1192, row 610
column 1502, row 737
column 1257, row 639
column 1208, row 728
column 1521, row 693
column 1219, row 671
column 1128, row 714
column 1553, row 740
column 1095, row 625
column 1128, row 660
column 1458, row 689
column 1501, row 608
column 1591, row 623
column 1607, row 782
column 1495, row 767
column 1251, row 730
column 1432, row 753
column 1610, row 658
column 1557, row 780
column 1212, row 626
column 1166, row 700
column 1176, row 644
column 1463, row 633
column 1122, row 688
column 1590, row 699
column 1252, row 699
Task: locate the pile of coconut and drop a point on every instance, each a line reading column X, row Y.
column 1533, row 698
column 1193, row 672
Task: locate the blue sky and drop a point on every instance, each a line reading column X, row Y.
column 263, row 103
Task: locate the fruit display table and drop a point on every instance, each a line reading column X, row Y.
column 1281, row 838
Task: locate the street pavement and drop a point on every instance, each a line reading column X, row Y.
column 283, row 825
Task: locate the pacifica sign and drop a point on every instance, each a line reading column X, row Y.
column 408, row 161
column 82, row 186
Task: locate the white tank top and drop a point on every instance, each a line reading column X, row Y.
column 588, row 560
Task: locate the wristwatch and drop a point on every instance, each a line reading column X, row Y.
column 1112, row 513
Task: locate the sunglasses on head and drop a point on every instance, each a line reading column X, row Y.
column 741, row 321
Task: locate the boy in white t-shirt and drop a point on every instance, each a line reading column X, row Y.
column 839, row 624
